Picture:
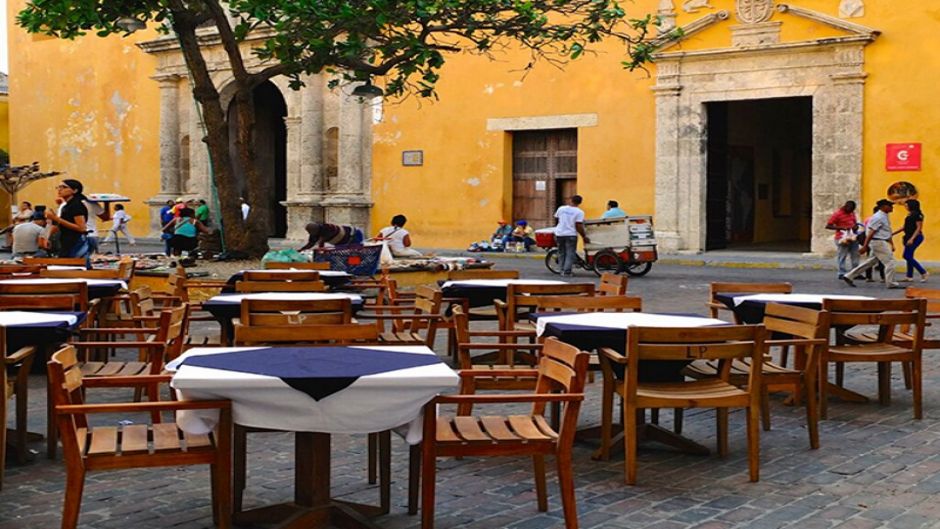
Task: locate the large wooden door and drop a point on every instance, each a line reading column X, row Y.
column 544, row 170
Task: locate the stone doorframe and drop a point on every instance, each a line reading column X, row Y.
column 831, row 71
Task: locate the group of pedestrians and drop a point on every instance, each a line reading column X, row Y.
column 875, row 237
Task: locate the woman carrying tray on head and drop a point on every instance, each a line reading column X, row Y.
column 337, row 235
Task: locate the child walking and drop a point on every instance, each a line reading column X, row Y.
column 120, row 218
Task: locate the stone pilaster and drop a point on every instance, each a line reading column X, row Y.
column 351, row 202
column 169, row 148
column 667, row 93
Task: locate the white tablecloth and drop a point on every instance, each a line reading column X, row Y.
column 20, row 317
column 323, row 273
column 284, row 296
column 794, row 298
column 46, row 280
column 625, row 320
column 372, row 403
column 499, row 282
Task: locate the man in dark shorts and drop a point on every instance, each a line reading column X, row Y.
column 337, row 235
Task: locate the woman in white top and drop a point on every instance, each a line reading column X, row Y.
column 398, row 238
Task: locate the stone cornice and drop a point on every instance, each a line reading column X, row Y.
column 774, row 48
column 828, row 20
column 667, row 41
column 205, row 36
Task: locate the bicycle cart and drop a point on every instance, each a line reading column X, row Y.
column 625, row 244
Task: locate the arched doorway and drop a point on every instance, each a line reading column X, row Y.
column 270, row 148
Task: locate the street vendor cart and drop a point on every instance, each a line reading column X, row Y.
column 618, row 245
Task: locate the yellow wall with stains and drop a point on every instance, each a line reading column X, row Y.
column 465, row 183
column 4, row 122
column 87, row 108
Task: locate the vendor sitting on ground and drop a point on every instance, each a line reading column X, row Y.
column 321, row 234
column 398, row 238
column 502, row 233
column 523, row 233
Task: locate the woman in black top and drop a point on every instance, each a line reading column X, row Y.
column 71, row 221
column 913, row 238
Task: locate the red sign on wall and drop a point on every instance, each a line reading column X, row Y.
column 903, row 157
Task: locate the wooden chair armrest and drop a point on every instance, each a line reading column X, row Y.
column 719, row 306
column 796, row 342
column 21, row 354
column 507, row 346
column 502, row 333
column 506, row 399
column 119, row 330
column 613, row 356
column 130, row 407
column 125, row 381
column 488, row 373
column 932, row 316
column 404, row 317
column 118, row 345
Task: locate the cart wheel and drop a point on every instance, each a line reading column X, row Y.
column 639, row 269
column 552, row 262
column 607, row 261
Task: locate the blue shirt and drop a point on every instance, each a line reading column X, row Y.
column 614, row 213
column 166, row 214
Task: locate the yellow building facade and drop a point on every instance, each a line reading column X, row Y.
column 747, row 132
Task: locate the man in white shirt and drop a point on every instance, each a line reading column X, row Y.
column 245, row 209
column 570, row 224
column 878, row 240
column 95, row 211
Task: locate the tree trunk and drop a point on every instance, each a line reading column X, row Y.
column 237, row 234
column 257, row 227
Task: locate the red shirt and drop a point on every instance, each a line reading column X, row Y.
column 843, row 221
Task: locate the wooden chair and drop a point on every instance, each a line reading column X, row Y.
column 14, row 382
column 9, row 270
column 66, row 296
column 608, row 303
column 95, row 273
column 88, row 448
column 296, row 266
column 409, row 321
column 807, row 332
column 299, row 275
column 888, row 316
column 682, row 344
column 51, row 261
column 280, row 286
column 138, row 308
column 181, row 286
column 522, row 299
column 716, row 307
column 561, row 369
column 612, row 285
column 278, row 322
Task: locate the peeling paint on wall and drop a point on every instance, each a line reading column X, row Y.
column 474, row 182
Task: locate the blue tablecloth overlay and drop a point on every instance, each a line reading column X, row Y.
column 42, row 335
column 333, row 282
column 226, row 310
column 316, row 371
column 476, row 295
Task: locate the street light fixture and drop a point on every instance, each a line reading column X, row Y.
column 368, row 90
column 131, row 24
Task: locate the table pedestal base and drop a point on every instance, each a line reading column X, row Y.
column 645, row 432
column 312, row 507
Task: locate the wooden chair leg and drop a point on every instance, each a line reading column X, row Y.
column 722, row 423
column 372, row 449
column 823, row 385
column 538, row 464
column 840, row 373
column 607, row 419
column 385, row 471
column 52, row 439
column 467, row 387
column 812, row 410
column 906, row 369
column 753, row 440
column 884, row 383
column 22, row 432
column 239, row 465
column 678, row 415
column 566, row 486
column 784, row 355
column 221, row 471
column 74, row 485
column 917, row 384
column 765, row 407
column 153, row 395
column 4, row 404
column 428, row 483
column 654, row 416
column 629, row 442
column 414, row 477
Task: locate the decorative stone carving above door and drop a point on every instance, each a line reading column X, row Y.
column 852, row 8
column 754, row 11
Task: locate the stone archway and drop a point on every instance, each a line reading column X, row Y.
column 830, row 71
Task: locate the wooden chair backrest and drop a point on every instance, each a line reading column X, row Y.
column 97, row 273
column 172, row 327
column 748, row 288
column 562, row 368
column 339, row 334
column 391, row 288
column 799, row 322
column 299, row 275
column 263, row 312
column 65, row 387
column 68, row 296
column 20, row 269
column 280, row 286
column 296, row 266
column 612, row 285
column 723, row 343
column 526, row 297
column 126, row 268
column 887, row 314
column 610, row 303
column 481, row 273
column 62, row 261
column 142, row 303
column 932, row 296
column 177, row 284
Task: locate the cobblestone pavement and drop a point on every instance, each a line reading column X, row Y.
column 876, row 468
